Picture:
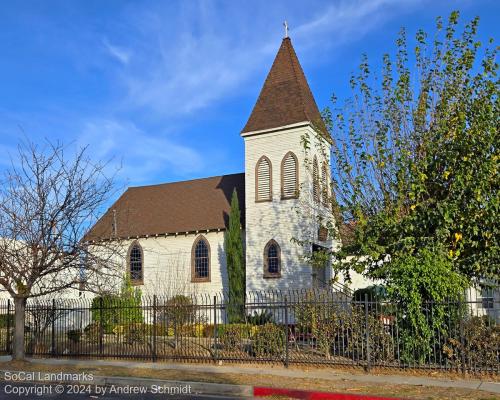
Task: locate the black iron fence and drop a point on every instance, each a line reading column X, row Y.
column 308, row 327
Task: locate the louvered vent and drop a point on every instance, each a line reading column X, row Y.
column 289, row 177
column 324, row 182
column 264, row 179
column 315, row 180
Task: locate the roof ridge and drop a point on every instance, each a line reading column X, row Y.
column 187, row 180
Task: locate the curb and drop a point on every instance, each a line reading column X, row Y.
column 309, row 395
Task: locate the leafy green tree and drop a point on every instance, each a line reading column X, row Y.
column 235, row 262
column 415, row 156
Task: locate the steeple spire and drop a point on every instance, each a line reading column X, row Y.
column 285, row 98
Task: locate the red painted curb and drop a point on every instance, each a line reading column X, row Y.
column 308, row 395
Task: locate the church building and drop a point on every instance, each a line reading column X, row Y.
column 174, row 232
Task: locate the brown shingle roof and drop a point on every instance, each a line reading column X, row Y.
column 187, row 206
column 285, row 97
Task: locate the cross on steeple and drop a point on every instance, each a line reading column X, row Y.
column 285, row 24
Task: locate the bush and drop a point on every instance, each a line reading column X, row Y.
column 230, row 337
column 261, row 318
column 116, row 310
column 6, row 320
column 381, row 342
column 481, row 338
column 178, row 311
column 92, row 332
column 269, row 341
column 74, row 335
column 136, row 333
column 112, row 310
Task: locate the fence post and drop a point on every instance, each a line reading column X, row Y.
column 215, row 329
column 101, row 325
column 367, row 327
column 154, row 329
column 286, row 333
column 462, row 342
column 53, row 323
column 8, row 327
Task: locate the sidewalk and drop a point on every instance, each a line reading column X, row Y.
column 323, row 374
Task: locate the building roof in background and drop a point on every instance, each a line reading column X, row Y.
column 285, row 98
column 199, row 204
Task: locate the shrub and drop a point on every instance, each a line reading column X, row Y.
column 269, row 341
column 92, row 332
column 112, row 310
column 116, row 310
column 178, row 311
column 105, row 310
column 6, row 320
column 230, row 337
column 74, row 335
column 479, row 349
column 381, row 342
column 135, row 333
column 261, row 318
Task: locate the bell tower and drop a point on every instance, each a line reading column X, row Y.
column 287, row 158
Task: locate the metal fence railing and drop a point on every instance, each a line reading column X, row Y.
column 293, row 327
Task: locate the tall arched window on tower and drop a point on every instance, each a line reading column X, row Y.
column 324, row 183
column 200, row 260
column 136, row 264
column 315, row 180
column 272, row 260
column 263, row 180
column 289, row 177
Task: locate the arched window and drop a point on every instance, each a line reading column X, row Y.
column 272, row 260
column 315, row 180
column 324, row 183
column 289, row 176
column 136, row 263
column 200, row 260
column 263, row 180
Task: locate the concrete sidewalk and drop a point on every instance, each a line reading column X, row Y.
column 325, row 374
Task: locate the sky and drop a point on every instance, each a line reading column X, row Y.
column 160, row 90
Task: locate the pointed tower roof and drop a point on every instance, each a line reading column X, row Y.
column 285, row 98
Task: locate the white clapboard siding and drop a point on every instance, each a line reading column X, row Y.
column 264, row 180
column 289, row 176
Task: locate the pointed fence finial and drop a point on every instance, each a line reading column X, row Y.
column 285, row 24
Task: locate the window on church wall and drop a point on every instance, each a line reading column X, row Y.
column 135, row 264
column 289, row 177
column 263, row 180
column 200, row 268
column 324, row 183
column 272, row 260
column 315, row 180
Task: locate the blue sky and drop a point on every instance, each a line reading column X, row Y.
column 163, row 88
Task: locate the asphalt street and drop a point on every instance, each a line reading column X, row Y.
column 25, row 390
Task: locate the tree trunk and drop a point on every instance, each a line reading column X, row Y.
column 19, row 316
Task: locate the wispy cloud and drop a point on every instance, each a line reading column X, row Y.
column 138, row 155
column 349, row 21
column 205, row 53
column 119, row 53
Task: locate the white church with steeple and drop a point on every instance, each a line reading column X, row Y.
column 174, row 232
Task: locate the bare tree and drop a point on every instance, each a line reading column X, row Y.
column 48, row 201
